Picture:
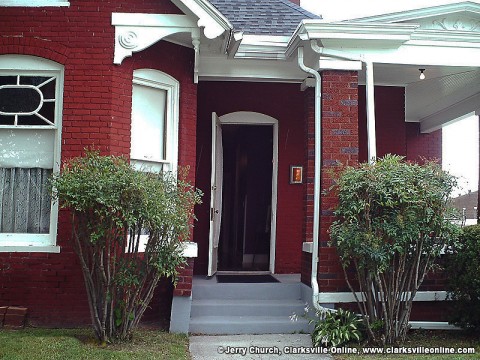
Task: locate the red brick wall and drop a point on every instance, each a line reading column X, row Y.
column 96, row 111
column 184, row 280
column 339, row 145
column 284, row 102
column 426, row 146
column 394, row 135
column 389, row 120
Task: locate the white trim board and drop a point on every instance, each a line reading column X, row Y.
column 432, row 325
column 409, row 15
column 212, row 20
column 347, row 297
column 30, row 249
column 34, row 3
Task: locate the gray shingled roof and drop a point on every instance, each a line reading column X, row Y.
column 263, row 17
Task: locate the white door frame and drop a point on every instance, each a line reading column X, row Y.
column 254, row 118
column 215, row 195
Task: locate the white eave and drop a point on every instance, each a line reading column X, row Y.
column 266, row 47
column 212, row 20
column 315, row 29
column 417, row 14
column 448, row 38
column 281, row 47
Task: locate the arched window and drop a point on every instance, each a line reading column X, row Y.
column 154, row 120
column 31, row 91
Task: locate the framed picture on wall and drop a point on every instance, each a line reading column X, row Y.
column 296, row 174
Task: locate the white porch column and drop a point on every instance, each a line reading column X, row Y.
column 371, row 133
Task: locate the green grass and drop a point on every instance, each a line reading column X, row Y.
column 424, row 338
column 62, row 344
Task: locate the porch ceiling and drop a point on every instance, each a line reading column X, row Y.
column 447, row 92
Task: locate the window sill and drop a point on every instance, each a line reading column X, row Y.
column 37, row 3
column 31, row 249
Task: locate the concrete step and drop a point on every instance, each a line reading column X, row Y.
column 247, row 308
column 263, row 291
column 216, row 307
column 214, row 325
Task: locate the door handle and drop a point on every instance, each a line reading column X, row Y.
column 212, row 213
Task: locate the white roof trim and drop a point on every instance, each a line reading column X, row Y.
column 392, row 34
column 421, row 13
column 281, row 47
column 212, row 20
column 268, row 47
column 453, row 37
column 378, row 31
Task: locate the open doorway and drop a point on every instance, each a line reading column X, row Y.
column 245, row 233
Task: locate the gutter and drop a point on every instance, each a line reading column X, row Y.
column 318, row 163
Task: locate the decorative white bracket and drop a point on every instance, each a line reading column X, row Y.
column 136, row 32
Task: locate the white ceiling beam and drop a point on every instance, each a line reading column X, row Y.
column 451, row 114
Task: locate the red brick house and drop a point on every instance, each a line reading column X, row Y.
column 268, row 93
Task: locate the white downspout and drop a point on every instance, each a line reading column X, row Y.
column 370, row 92
column 372, row 137
column 316, row 187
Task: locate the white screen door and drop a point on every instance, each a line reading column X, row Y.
column 215, row 195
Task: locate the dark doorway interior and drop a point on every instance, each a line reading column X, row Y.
column 247, row 197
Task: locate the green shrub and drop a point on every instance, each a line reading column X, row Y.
column 392, row 225
column 111, row 206
column 335, row 328
column 463, row 266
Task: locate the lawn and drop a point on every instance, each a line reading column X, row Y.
column 429, row 339
column 61, row 344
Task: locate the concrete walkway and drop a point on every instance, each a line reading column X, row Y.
column 253, row 347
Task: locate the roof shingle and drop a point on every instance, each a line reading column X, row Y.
column 263, row 17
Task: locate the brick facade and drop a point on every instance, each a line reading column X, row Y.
column 96, row 112
column 394, row 135
column 339, row 146
column 184, row 280
column 423, row 146
column 390, row 123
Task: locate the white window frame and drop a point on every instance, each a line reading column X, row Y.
column 33, row 3
column 26, row 65
column 159, row 80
